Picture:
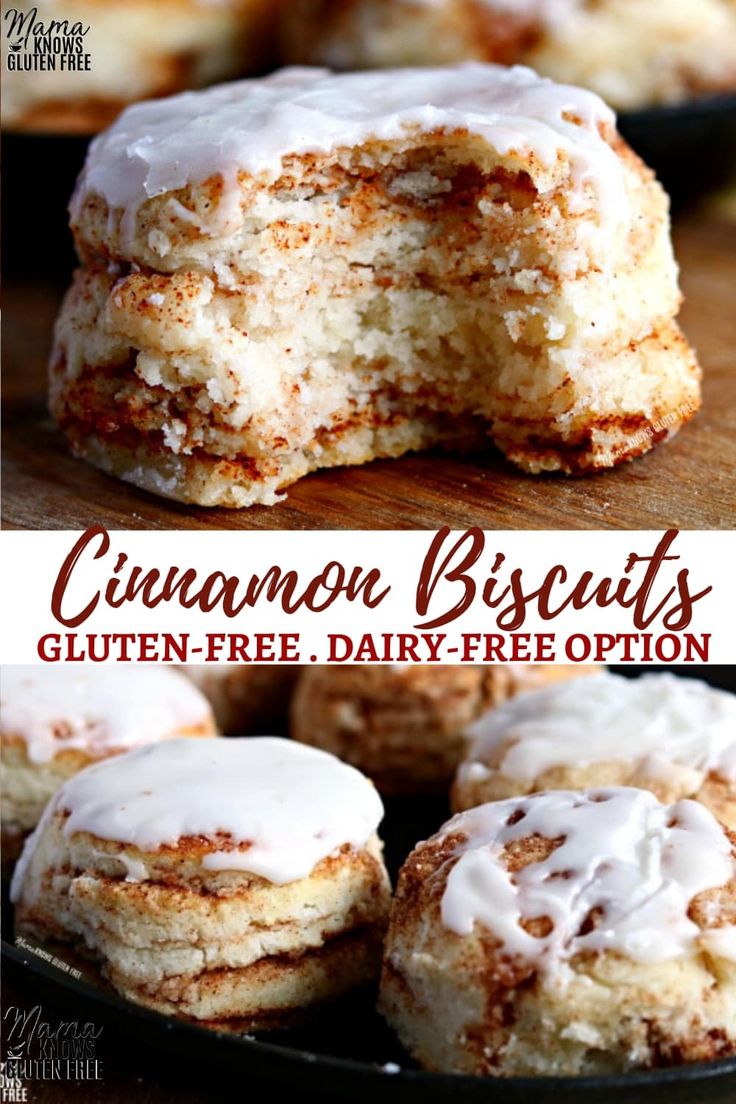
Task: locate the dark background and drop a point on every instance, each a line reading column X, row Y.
column 723, row 675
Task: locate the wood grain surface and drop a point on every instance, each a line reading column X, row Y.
column 689, row 483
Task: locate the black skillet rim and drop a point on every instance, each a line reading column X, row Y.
column 303, row 1062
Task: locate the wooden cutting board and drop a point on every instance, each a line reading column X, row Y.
column 689, row 483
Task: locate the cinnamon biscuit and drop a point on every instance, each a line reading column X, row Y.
column 673, row 736
column 56, row 720
column 566, row 933
column 246, row 698
column 405, row 725
column 313, row 270
column 137, row 49
column 633, row 53
column 235, row 882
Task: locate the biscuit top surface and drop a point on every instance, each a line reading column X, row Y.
column 659, row 721
column 619, row 855
column 271, row 807
column 96, row 709
column 250, row 126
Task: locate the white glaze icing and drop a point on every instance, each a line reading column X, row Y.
column 96, row 709
column 662, row 723
column 250, row 126
column 293, row 805
column 622, row 851
column 720, row 942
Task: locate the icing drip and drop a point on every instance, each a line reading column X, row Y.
column 660, row 722
column 620, row 851
column 98, row 710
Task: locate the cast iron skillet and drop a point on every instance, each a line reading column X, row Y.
column 302, row 1061
column 343, row 1055
column 692, row 148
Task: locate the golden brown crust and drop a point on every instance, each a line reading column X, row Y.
column 70, row 760
column 282, row 990
column 405, row 726
column 712, row 790
column 217, row 946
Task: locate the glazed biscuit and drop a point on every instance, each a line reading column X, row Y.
column 633, row 53
column 235, row 882
column 246, row 698
column 405, row 725
column 137, row 49
column 54, row 721
column 673, row 736
column 566, row 933
column 313, row 270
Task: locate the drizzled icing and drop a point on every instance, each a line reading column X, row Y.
column 98, row 710
column 639, row 862
column 250, row 126
column 291, row 804
column 659, row 722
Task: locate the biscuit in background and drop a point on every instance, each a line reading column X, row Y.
column 633, row 53
column 673, row 736
column 247, row 698
column 56, row 720
column 138, row 49
column 405, row 725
